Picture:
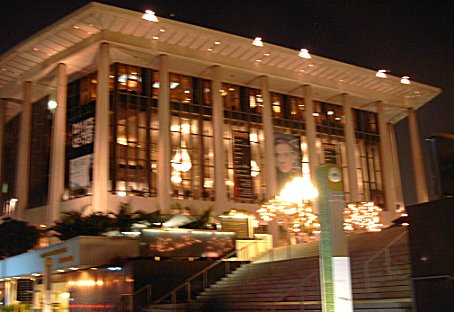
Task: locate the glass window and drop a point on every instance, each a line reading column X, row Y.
column 329, row 118
column 134, row 130
column 243, row 144
column 9, row 162
column 80, row 128
column 192, row 155
column 368, row 156
column 231, row 97
column 40, row 153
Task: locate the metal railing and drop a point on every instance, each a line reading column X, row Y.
column 128, row 302
column 386, row 252
column 291, row 290
column 204, row 274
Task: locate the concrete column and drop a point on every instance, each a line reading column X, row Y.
column 23, row 159
column 57, row 156
column 164, row 135
column 310, row 131
column 101, row 144
column 350, row 140
column 418, row 164
column 395, row 159
column 2, row 133
column 386, row 161
column 218, row 138
column 268, row 130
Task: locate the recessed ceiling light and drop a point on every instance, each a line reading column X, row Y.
column 304, row 53
column 405, row 80
column 217, row 43
column 257, row 42
column 150, row 16
column 381, row 73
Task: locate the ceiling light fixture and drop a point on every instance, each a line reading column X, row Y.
column 257, row 42
column 304, row 53
column 405, row 80
column 150, row 16
column 381, row 73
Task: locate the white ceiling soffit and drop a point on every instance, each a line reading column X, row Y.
column 236, row 54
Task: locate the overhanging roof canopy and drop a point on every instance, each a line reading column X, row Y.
column 74, row 41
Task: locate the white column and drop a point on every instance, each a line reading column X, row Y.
column 57, row 156
column 310, row 131
column 2, row 131
column 396, row 169
column 386, row 161
column 350, row 140
column 270, row 159
column 23, row 152
column 101, row 144
column 218, row 138
column 418, row 164
column 164, row 135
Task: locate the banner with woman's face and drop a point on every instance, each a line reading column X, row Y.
column 287, row 148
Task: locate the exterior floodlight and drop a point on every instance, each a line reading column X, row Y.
column 51, row 105
column 405, row 80
column 257, row 42
column 304, row 53
column 381, row 73
column 150, row 16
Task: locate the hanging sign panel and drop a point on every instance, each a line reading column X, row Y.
column 244, row 190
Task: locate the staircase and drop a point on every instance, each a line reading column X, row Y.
column 287, row 279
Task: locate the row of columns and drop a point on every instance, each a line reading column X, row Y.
column 101, row 143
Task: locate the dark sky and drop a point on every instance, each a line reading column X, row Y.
column 411, row 38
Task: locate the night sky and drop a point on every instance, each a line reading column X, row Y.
column 411, row 38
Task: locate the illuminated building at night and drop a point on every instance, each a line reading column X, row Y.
column 105, row 107
column 164, row 112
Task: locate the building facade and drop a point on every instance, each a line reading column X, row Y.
column 158, row 113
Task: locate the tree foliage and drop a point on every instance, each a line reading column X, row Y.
column 201, row 222
column 74, row 223
column 16, row 237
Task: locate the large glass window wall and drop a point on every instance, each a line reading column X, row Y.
column 134, row 130
column 9, row 165
column 40, row 153
column 368, row 156
column 330, row 142
column 80, row 129
column 191, row 131
column 243, row 143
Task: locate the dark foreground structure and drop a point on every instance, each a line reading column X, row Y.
column 432, row 254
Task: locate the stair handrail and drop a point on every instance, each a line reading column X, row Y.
column 384, row 250
column 140, row 290
column 205, row 270
column 301, row 284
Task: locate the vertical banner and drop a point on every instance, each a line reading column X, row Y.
column 287, row 148
column 335, row 278
column 80, row 143
column 244, row 190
